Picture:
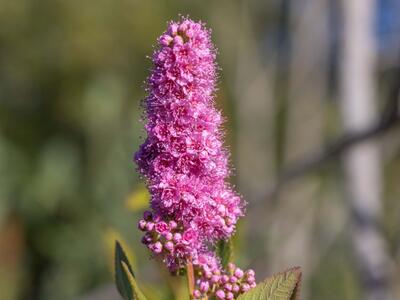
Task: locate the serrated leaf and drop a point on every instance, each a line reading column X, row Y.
column 296, row 291
column 225, row 251
column 282, row 286
column 136, row 292
column 121, row 278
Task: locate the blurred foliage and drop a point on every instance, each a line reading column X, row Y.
column 138, row 200
column 71, row 82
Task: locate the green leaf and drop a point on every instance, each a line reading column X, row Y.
column 296, row 291
column 225, row 251
column 136, row 292
column 282, row 286
column 121, row 280
column 124, row 276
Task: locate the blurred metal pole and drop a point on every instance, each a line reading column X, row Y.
column 362, row 164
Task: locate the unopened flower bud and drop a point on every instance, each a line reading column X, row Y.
column 169, row 246
column 172, row 225
column 224, row 278
column 250, row 279
column 238, row 273
column 177, row 237
column 250, row 273
column 204, row 286
column 245, row 287
column 208, row 274
column 235, row 288
column 231, row 267
column 142, row 225
column 196, row 294
column 149, row 226
column 228, row 286
column 147, row 215
column 220, row 294
column 229, row 296
column 157, row 247
column 215, row 278
column 146, row 239
column 168, row 236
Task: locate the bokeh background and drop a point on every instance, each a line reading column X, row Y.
column 322, row 192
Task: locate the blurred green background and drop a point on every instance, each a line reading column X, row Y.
column 71, row 81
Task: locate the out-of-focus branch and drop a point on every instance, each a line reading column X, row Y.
column 389, row 119
column 362, row 167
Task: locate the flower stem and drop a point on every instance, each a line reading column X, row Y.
column 190, row 278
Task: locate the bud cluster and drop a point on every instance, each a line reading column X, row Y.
column 224, row 284
column 168, row 240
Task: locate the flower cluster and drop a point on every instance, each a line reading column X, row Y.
column 184, row 161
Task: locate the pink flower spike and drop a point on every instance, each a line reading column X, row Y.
column 185, row 163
